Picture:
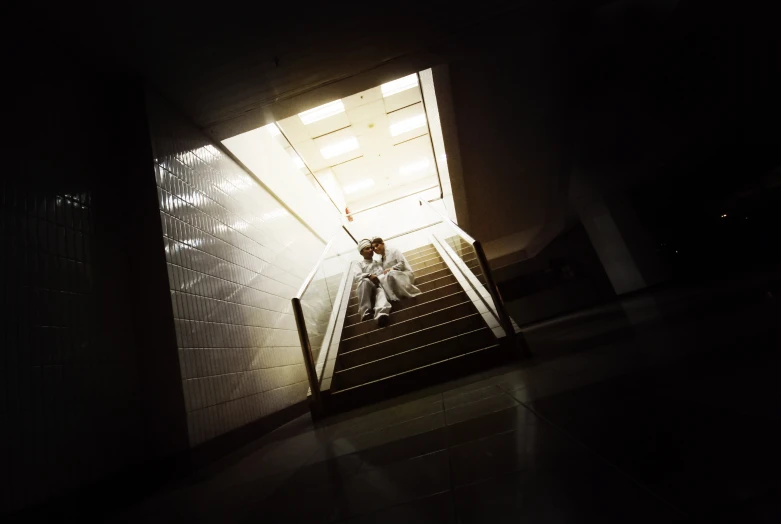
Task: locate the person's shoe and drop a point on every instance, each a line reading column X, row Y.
column 369, row 314
column 383, row 320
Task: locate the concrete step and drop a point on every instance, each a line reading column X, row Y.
column 418, row 274
column 423, row 256
column 406, row 326
column 443, row 277
column 414, row 379
column 420, row 280
column 416, row 357
column 418, row 250
column 432, row 294
column 410, row 340
column 423, row 263
column 405, row 314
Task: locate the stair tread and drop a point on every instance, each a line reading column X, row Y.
column 338, row 391
column 354, row 300
column 416, row 348
column 397, row 311
column 354, row 297
column 401, row 323
column 362, row 348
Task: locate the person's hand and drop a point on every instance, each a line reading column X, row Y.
column 374, row 279
column 387, row 271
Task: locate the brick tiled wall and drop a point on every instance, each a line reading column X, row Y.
column 71, row 399
column 235, row 258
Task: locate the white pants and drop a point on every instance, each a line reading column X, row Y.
column 399, row 284
column 371, row 296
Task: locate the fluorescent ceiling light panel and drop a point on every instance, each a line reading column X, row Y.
column 321, row 112
column 339, row 148
column 397, row 86
column 408, row 125
column 414, row 167
column 273, row 130
column 358, row 186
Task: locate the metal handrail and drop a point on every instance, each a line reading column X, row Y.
column 298, row 314
column 303, row 336
column 504, row 318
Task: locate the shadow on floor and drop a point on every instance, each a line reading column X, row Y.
column 658, row 409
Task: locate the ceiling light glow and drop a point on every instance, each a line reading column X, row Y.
column 397, row 86
column 297, row 161
column 358, row 186
column 324, row 111
column 414, row 167
column 340, row 148
column 408, row 125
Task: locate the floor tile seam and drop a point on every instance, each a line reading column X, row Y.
column 604, row 459
column 288, row 475
column 385, row 428
column 390, row 407
column 390, row 404
column 451, row 476
column 386, row 508
column 482, row 414
column 398, row 462
column 429, row 405
column 478, row 439
column 471, row 390
column 502, row 393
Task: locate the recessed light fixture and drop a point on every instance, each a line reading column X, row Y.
column 408, row 124
column 273, row 130
column 321, row 112
column 358, row 186
column 414, row 167
column 397, row 86
column 346, row 145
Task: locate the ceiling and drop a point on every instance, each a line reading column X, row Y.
column 374, row 150
column 230, row 65
column 540, row 90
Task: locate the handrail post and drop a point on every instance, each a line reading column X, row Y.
column 493, row 290
column 504, row 318
column 306, row 348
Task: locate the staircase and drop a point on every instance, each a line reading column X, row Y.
column 434, row 336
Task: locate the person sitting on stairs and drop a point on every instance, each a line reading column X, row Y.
column 397, row 277
column 372, row 300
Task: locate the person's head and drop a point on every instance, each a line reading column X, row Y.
column 365, row 248
column 378, row 245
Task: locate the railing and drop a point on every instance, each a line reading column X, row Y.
column 314, row 306
column 471, row 261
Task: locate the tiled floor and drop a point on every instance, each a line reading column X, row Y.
column 663, row 409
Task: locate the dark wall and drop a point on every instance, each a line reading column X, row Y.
column 90, row 391
column 565, row 276
column 697, row 107
column 669, row 106
column 507, row 89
